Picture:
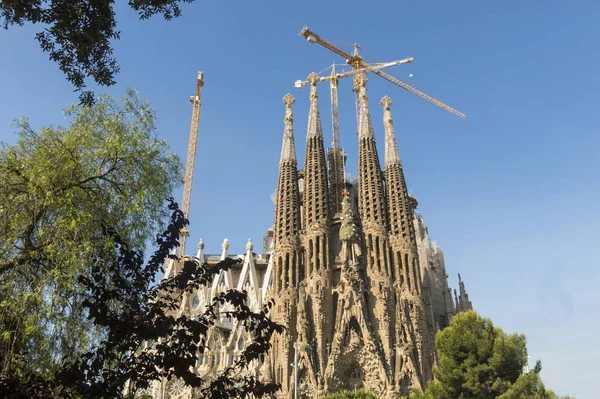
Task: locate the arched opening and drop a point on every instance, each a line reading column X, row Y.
column 318, row 253
column 287, row 271
column 310, row 257
column 416, row 281
column 334, row 307
column 407, row 270
column 390, row 257
column 294, row 262
column 279, row 274
column 377, row 254
column 301, row 266
column 325, row 252
column 370, row 250
column 399, row 266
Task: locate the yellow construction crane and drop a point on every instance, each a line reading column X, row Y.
column 337, row 169
column 360, row 66
column 189, row 167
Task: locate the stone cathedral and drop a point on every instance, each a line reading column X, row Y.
column 361, row 291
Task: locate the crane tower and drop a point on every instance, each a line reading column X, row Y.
column 191, row 157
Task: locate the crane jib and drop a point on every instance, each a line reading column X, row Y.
column 357, row 63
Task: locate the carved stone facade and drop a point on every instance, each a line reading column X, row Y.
column 355, row 314
column 358, row 290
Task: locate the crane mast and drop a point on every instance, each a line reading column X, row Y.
column 359, row 66
column 189, row 167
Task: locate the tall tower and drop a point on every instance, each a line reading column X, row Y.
column 316, row 289
column 373, row 217
column 286, row 253
column 414, row 355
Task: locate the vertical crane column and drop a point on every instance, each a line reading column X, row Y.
column 191, row 158
column 173, row 267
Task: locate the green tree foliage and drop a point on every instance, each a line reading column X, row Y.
column 77, row 34
column 58, row 185
column 528, row 386
column 120, row 300
column 479, row 361
column 360, row 394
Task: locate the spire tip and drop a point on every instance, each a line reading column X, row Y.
column 386, row 102
column 288, row 100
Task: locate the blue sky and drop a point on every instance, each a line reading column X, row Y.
column 510, row 194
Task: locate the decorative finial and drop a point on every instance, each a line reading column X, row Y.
column 249, row 245
column 386, row 102
column 288, row 100
column 314, row 120
column 392, row 155
column 225, row 245
column 288, row 151
column 362, row 89
column 200, row 253
column 387, row 114
column 313, row 78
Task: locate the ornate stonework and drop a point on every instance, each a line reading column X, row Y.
column 352, row 289
column 356, row 311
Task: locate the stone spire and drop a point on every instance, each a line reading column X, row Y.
column 373, row 217
column 392, row 155
column 200, row 253
column 401, row 230
column 316, row 192
column 316, row 242
column 463, row 299
column 288, row 149
column 286, row 255
column 225, row 248
column 415, row 355
column 287, row 208
column 314, row 118
column 371, row 202
column 456, row 302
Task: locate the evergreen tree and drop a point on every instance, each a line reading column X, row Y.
column 479, row 361
column 360, row 394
